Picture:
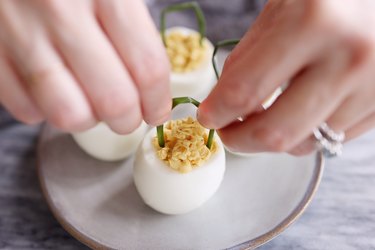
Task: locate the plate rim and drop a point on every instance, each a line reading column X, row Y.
column 250, row 244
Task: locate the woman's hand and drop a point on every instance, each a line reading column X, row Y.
column 76, row 62
column 324, row 49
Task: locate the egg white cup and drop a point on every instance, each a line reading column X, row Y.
column 102, row 143
column 169, row 191
column 198, row 82
column 268, row 103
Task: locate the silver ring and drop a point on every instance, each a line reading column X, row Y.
column 330, row 134
column 329, row 141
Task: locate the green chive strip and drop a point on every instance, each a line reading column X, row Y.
column 180, row 7
column 210, row 138
column 175, row 102
column 218, row 45
column 160, row 133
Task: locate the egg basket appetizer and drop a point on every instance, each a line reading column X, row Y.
column 103, row 144
column 179, row 166
column 189, row 54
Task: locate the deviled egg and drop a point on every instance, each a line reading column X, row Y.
column 102, row 143
column 182, row 175
column 192, row 73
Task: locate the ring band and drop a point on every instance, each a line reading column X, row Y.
column 329, row 141
column 330, row 134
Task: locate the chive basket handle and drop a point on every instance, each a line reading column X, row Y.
column 218, row 45
column 175, row 102
column 181, row 7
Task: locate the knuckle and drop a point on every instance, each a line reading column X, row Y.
column 61, row 15
column 238, row 98
column 54, row 5
column 56, row 9
column 35, row 66
column 322, row 16
column 114, row 9
column 273, row 139
column 363, row 50
column 359, row 52
column 41, row 76
column 157, row 69
column 26, row 50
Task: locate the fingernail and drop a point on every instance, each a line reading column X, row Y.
column 124, row 125
column 156, row 121
column 205, row 119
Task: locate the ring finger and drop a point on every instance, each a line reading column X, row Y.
column 354, row 116
column 14, row 96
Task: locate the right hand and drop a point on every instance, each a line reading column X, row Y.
column 74, row 63
column 324, row 50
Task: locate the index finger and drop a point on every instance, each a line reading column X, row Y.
column 263, row 60
column 138, row 42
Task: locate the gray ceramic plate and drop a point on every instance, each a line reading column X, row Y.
column 98, row 204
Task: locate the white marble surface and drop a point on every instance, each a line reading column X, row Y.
column 342, row 214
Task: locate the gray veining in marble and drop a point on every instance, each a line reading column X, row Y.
column 25, row 220
column 342, row 215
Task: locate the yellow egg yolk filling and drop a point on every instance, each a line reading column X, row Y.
column 185, row 51
column 185, row 145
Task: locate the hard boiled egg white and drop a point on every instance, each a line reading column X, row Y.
column 172, row 192
column 102, row 143
column 198, row 82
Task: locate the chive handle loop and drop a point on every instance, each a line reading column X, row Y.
column 175, row 102
column 218, row 45
column 180, row 7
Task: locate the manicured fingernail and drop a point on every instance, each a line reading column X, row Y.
column 158, row 120
column 124, row 125
column 205, row 119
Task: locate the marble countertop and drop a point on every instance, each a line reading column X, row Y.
column 341, row 216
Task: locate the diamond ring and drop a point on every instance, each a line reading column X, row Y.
column 329, row 141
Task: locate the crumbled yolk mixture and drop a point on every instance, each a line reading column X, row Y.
column 185, row 51
column 185, row 145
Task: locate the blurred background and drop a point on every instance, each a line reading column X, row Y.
column 225, row 19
